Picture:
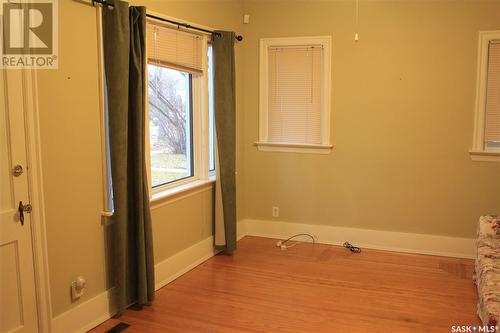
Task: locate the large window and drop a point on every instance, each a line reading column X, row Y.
column 170, row 124
column 295, row 94
column 486, row 145
column 180, row 107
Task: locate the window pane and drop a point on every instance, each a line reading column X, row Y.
column 211, row 125
column 295, row 94
column 170, row 124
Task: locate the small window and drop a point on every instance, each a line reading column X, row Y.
column 486, row 145
column 295, row 94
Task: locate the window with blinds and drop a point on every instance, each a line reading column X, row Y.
column 492, row 116
column 295, row 94
column 486, row 139
column 294, row 107
column 179, row 82
column 169, row 47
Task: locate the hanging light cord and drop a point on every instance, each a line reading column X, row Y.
column 356, row 36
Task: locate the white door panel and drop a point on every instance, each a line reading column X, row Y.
column 17, row 284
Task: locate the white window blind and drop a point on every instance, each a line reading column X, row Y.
column 172, row 48
column 295, row 96
column 492, row 126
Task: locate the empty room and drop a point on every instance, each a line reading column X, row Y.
column 249, row 166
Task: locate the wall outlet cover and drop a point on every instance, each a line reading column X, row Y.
column 276, row 211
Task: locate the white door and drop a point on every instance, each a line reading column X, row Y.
column 18, row 311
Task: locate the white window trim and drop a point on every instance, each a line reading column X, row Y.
column 263, row 144
column 201, row 175
column 107, row 205
column 478, row 151
column 181, row 190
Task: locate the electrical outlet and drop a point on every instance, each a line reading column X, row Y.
column 77, row 288
column 276, row 211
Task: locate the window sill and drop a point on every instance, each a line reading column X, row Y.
column 181, row 191
column 485, row 156
column 294, row 147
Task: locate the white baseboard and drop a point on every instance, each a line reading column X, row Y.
column 241, row 229
column 184, row 261
column 364, row 238
column 95, row 311
column 85, row 316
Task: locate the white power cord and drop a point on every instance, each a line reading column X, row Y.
column 282, row 243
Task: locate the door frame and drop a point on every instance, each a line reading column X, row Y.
column 35, row 187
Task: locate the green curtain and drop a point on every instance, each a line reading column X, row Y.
column 225, row 127
column 131, row 264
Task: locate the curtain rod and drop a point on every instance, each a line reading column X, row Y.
column 239, row 38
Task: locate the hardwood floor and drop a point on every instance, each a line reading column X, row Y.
column 312, row 288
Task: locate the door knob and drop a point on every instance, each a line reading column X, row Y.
column 17, row 170
column 23, row 209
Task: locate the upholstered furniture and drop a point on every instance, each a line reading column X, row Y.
column 487, row 272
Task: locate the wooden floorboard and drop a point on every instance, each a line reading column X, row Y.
column 312, row 288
